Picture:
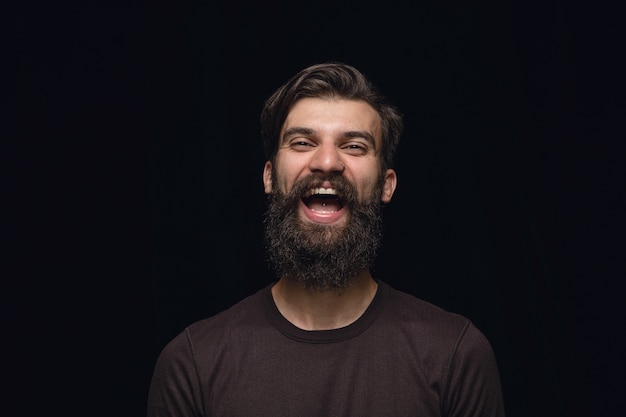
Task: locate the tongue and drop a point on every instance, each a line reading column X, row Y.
column 323, row 204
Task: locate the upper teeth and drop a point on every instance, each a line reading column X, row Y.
column 326, row 191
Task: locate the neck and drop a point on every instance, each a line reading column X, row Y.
column 324, row 310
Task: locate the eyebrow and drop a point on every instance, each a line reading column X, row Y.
column 297, row 130
column 361, row 134
column 293, row 131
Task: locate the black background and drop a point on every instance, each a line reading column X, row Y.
column 138, row 197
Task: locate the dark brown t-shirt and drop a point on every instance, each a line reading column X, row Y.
column 402, row 357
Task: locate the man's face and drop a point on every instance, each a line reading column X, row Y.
column 329, row 137
column 323, row 223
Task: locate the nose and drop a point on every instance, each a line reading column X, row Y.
column 326, row 158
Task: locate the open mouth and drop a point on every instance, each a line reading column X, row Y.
column 323, row 200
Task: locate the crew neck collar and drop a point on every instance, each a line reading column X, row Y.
column 324, row 336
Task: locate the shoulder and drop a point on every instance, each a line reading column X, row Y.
column 176, row 381
column 217, row 329
column 427, row 327
column 412, row 309
column 426, row 321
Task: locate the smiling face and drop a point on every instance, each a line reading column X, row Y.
column 323, row 223
column 329, row 138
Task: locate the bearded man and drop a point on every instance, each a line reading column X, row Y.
column 327, row 338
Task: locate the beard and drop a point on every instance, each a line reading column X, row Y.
column 322, row 257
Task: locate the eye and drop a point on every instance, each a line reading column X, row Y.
column 355, row 148
column 300, row 144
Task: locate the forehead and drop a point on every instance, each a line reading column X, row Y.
column 331, row 115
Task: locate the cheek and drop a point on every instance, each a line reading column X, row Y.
column 290, row 169
column 367, row 187
column 285, row 176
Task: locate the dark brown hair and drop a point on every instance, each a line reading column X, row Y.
column 329, row 80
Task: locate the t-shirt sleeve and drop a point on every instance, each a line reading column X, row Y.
column 473, row 380
column 174, row 389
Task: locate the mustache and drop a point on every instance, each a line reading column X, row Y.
column 345, row 190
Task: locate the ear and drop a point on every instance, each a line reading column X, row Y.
column 267, row 177
column 389, row 185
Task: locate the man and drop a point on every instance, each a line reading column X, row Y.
column 327, row 338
